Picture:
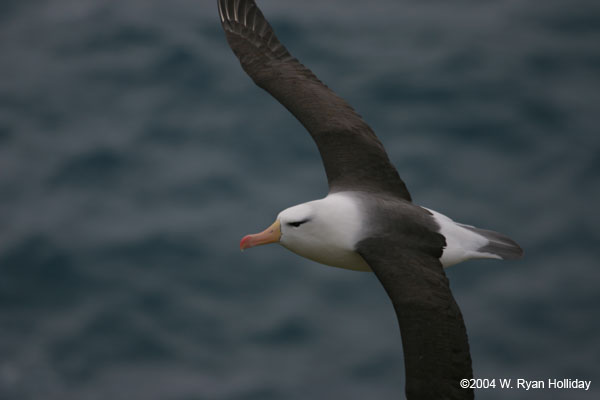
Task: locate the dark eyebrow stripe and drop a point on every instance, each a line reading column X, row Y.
column 298, row 223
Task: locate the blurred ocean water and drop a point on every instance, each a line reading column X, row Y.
column 135, row 153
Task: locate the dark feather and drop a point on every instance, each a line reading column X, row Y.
column 434, row 337
column 353, row 157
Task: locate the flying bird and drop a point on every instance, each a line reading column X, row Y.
column 368, row 221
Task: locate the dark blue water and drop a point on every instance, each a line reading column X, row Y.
column 135, row 153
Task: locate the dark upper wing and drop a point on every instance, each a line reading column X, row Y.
column 354, row 158
column 434, row 337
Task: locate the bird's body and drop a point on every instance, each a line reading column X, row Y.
column 368, row 221
column 337, row 223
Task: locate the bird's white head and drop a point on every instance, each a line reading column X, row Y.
column 323, row 230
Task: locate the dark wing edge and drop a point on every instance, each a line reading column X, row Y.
column 434, row 336
column 353, row 157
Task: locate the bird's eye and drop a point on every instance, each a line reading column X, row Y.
column 296, row 224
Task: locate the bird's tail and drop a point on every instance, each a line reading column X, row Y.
column 499, row 244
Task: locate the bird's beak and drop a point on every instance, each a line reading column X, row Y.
column 270, row 235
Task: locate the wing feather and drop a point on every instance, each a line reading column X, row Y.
column 434, row 337
column 353, row 157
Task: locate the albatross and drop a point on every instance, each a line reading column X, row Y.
column 367, row 221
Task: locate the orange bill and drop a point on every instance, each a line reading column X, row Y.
column 270, row 235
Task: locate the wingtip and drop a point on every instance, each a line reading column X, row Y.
column 220, row 6
column 238, row 11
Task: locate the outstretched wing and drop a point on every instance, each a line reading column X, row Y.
column 353, row 157
column 434, row 337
